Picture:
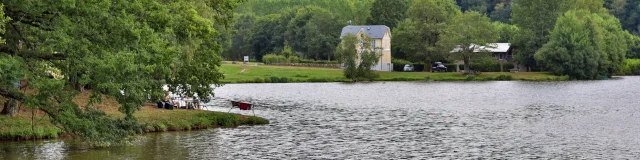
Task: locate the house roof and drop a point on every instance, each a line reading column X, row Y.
column 490, row 47
column 373, row 31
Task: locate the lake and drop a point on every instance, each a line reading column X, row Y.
column 398, row 120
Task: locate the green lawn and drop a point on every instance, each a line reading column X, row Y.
column 264, row 74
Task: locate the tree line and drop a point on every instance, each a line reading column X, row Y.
column 420, row 27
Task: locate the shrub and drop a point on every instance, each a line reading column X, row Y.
column 258, row 80
column 275, row 79
column 293, row 59
column 273, row 58
column 631, row 67
column 485, row 64
column 400, row 61
column 255, row 121
column 267, row 80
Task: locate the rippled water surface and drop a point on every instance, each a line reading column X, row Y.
column 394, row 120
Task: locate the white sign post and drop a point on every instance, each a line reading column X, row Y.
column 246, row 59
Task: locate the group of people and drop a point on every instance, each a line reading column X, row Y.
column 179, row 102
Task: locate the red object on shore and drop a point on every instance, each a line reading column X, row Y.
column 244, row 106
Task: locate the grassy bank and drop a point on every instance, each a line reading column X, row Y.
column 236, row 73
column 155, row 120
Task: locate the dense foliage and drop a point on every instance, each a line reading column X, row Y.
column 310, row 27
column 419, row 34
column 584, row 45
column 358, row 58
column 536, row 19
column 281, row 58
column 464, row 33
column 388, row 12
column 126, row 50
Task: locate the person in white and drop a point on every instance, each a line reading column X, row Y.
column 182, row 102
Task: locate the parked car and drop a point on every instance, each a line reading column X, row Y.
column 438, row 67
column 408, row 68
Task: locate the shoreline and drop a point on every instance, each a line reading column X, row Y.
column 154, row 120
column 237, row 73
column 500, row 77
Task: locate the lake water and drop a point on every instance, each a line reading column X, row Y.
column 396, row 120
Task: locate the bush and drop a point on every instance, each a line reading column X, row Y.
column 631, row 67
column 273, row 58
column 485, row 64
column 293, row 59
column 258, row 80
column 400, row 61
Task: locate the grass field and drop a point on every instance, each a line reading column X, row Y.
column 237, row 73
column 154, row 119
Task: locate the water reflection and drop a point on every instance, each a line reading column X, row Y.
column 419, row 120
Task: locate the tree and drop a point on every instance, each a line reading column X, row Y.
column 357, row 57
column 419, row 34
column 127, row 50
column 465, row 34
column 313, row 32
column 584, row 45
column 628, row 11
column 536, row 18
column 506, row 32
column 322, row 35
column 388, row 12
column 480, row 6
column 265, row 35
column 634, row 46
column 239, row 47
column 286, row 52
column 501, row 12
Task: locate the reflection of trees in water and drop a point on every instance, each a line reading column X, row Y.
column 171, row 145
column 33, row 150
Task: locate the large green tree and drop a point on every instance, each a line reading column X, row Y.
column 322, row 36
column 585, row 45
column 536, row 18
column 419, row 34
column 267, row 34
column 388, row 12
column 465, row 34
column 358, row 57
column 127, row 50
